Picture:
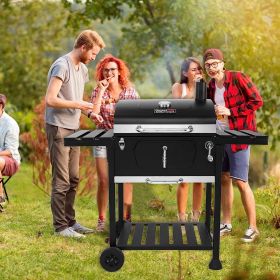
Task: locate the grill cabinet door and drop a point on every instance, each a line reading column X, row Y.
column 162, row 156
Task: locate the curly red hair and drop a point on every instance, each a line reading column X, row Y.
column 124, row 73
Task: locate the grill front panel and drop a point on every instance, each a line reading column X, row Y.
column 163, row 156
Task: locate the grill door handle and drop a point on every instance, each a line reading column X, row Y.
column 141, row 129
column 149, row 181
column 164, row 156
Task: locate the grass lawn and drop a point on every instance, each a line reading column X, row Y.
column 29, row 250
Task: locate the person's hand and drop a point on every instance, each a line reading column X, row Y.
column 197, row 77
column 84, row 105
column 222, row 110
column 96, row 117
column 103, row 84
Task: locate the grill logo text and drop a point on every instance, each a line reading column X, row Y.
column 165, row 111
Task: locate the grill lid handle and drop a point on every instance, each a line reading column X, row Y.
column 141, row 129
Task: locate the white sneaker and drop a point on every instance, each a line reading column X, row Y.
column 225, row 229
column 69, row 232
column 250, row 235
column 182, row 217
column 195, row 215
column 81, row 229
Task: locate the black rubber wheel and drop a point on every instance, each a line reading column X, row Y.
column 112, row 259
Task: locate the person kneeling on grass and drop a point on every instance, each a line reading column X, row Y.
column 9, row 143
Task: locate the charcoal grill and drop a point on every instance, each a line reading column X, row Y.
column 163, row 142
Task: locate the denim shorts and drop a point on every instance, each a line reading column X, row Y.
column 237, row 164
column 99, row 152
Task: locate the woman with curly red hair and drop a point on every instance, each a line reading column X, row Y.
column 113, row 84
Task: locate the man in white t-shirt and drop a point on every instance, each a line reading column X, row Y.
column 64, row 103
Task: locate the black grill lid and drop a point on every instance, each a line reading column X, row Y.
column 164, row 111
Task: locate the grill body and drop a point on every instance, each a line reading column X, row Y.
column 164, row 142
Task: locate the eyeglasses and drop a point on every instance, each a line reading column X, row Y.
column 107, row 70
column 214, row 64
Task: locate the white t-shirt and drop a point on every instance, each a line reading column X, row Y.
column 72, row 89
column 219, row 100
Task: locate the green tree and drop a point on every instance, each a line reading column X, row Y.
column 31, row 36
column 147, row 33
column 247, row 32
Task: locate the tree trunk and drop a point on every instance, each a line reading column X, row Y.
column 170, row 72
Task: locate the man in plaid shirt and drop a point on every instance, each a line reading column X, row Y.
column 236, row 99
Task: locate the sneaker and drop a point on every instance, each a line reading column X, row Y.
column 100, row 225
column 195, row 215
column 250, row 235
column 225, row 229
column 69, row 232
column 182, row 217
column 81, row 229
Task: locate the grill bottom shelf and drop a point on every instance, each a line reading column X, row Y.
column 164, row 236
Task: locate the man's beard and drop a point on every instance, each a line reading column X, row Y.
column 84, row 59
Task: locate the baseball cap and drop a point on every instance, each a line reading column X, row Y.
column 213, row 54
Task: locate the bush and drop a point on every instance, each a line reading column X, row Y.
column 36, row 141
column 269, row 209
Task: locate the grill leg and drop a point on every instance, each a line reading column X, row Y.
column 208, row 206
column 215, row 263
column 112, row 195
column 120, row 202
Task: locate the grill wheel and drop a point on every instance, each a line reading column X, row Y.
column 112, row 259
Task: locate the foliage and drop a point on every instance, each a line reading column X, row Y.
column 31, row 33
column 247, row 32
column 147, row 27
column 36, row 140
column 270, row 196
column 248, row 41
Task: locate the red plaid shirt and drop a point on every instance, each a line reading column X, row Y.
column 242, row 98
column 108, row 104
